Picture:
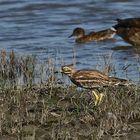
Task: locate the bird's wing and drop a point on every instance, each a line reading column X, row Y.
column 118, row 81
column 90, row 78
column 94, row 78
column 90, row 74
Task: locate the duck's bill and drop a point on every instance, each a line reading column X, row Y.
column 70, row 35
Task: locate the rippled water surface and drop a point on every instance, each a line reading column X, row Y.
column 42, row 27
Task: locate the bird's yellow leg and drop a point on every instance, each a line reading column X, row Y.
column 100, row 98
column 97, row 98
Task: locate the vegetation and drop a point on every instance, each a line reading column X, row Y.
column 53, row 110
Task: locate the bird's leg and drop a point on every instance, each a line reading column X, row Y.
column 100, row 98
column 97, row 98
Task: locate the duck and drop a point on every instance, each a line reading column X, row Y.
column 81, row 37
column 129, row 30
column 127, row 23
column 92, row 79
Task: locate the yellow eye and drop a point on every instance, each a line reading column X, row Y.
column 66, row 68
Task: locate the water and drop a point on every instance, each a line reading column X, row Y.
column 42, row 28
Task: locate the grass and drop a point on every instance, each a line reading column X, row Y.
column 52, row 110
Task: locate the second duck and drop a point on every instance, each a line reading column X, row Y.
column 81, row 37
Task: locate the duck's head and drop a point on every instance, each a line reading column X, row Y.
column 78, row 32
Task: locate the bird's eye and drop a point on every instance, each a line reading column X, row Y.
column 66, row 69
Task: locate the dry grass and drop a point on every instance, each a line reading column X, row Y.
column 67, row 113
column 59, row 112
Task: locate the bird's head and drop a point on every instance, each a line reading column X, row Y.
column 78, row 32
column 68, row 69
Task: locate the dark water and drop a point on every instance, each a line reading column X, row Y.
column 42, row 27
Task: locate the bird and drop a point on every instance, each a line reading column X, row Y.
column 92, row 79
column 129, row 30
column 128, row 23
column 81, row 37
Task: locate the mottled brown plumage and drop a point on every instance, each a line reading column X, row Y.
column 130, row 35
column 81, row 37
column 129, row 30
column 91, row 79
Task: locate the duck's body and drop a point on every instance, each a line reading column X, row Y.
column 128, row 23
column 129, row 30
column 130, row 35
column 81, row 37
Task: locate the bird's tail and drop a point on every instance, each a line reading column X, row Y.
column 120, row 82
column 119, row 20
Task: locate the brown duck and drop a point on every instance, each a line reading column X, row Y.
column 128, row 23
column 129, row 30
column 81, row 37
column 92, row 79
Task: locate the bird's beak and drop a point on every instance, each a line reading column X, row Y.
column 59, row 71
column 70, row 35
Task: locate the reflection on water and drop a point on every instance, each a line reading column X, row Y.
column 42, row 28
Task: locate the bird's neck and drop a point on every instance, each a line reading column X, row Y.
column 80, row 36
column 72, row 73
